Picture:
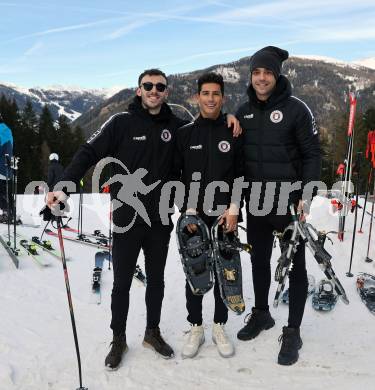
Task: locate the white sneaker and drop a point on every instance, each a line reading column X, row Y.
column 195, row 340
column 222, row 341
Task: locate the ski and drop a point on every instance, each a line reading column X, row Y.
column 13, row 253
column 96, row 234
column 46, row 246
column 356, row 171
column 100, row 243
column 32, row 251
column 347, row 168
column 96, row 276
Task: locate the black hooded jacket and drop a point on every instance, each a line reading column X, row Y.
column 281, row 139
column 139, row 140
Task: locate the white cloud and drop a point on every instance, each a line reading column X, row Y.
column 33, row 49
column 128, row 28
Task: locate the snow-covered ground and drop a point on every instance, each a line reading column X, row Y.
column 36, row 342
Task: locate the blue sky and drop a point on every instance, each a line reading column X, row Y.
column 97, row 44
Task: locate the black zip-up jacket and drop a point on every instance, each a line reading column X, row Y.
column 139, row 140
column 281, row 139
column 208, row 146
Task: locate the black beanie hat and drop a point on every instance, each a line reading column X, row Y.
column 270, row 57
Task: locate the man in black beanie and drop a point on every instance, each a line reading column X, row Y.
column 281, row 146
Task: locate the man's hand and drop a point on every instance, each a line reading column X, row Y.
column 229, row 219
column 54, row 200
column 233, row 121
column 192, row 227
column 302, row 214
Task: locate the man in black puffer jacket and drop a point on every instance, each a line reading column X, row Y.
column 281, row 146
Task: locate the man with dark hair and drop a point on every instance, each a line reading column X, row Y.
column 282, row 146
column 6, row 149
column 142, row 139
column 152, row 72
column 211, row 78
column 208, row 147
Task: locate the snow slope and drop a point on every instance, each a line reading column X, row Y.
column 36, row 341
column 368, row 62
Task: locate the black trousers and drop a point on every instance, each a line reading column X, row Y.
column 154, row 242
column 259, row 235
column 194, row 302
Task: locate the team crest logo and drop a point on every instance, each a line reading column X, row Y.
column 166, row 135
column 276, row 116
column 224, row 146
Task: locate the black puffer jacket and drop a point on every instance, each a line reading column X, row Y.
column 207, row 146
column 281, row 139
column 139, row 140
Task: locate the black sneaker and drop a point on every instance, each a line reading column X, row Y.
column 114, row 357
column 256, row 321
column 291, row 343
column 154, row 341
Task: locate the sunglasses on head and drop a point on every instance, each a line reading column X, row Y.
column 160, row 87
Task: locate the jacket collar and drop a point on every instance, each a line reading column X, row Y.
column 136, row 107
column 210, row 122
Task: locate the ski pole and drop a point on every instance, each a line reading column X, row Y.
column 348, row 165
column 368, row 259
column 14, row 196
column 366, row 195
column 66, row 277
column 7, row 164
column 79, row 227
column 356, row 170
column 110, row 233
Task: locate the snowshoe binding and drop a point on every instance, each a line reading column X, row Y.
column 325, row 298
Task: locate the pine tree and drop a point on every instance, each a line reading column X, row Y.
column 32, row 165
column 65, row 141
column 47, row 138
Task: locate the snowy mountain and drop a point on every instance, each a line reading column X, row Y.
column 36, row 340
column 68, row 101
column 320, row 81
column 368, row 62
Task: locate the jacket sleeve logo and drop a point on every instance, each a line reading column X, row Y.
column 276, row 116
column 224, row 146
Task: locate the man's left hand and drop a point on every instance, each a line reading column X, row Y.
column 229, row 220
column 233, row 121
column 302, row 214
